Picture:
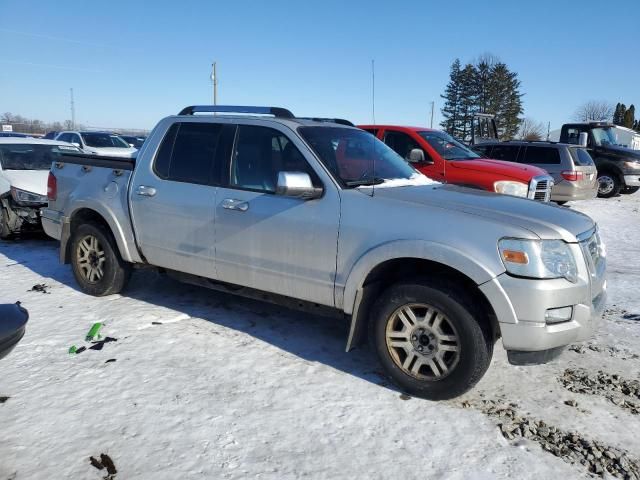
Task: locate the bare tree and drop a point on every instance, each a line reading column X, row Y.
column 594, row 111
column 531, row 129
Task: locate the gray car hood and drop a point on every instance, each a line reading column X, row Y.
column 547, row 221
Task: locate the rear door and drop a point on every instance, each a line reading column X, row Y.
column 173, row 197
column 270, row 242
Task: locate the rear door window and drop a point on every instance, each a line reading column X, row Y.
column 508, row 153
column 401, row 143
column 541, row 156
column 188, row 153
column 581, row 157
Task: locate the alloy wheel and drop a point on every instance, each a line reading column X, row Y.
column 422, row 341
column 606, row 184
column 90, row 258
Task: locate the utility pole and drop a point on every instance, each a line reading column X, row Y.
column 433, row 104
column 73, row 112
column 214, row 80
column 548, row 130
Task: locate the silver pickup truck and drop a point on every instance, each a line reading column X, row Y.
column 324, row 217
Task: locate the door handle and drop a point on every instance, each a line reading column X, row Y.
column 145, row 191
column 233, row 204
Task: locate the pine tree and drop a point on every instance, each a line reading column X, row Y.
column 451, row 109
column 629, row 119
column 618, row 115
column 468, row 100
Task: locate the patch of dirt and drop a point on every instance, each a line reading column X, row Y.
column 4, row 399
column 612, row 351
column 40, row 287
column 105, row 462
column 610, row 386
column 597, row 458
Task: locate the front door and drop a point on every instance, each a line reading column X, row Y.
column 173, row 199
column 271, row 242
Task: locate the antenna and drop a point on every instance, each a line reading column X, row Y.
column 73, row 112
column 433, row 104
column 373, row 114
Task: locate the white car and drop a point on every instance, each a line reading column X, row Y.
column 24, row 168
column 98, row 143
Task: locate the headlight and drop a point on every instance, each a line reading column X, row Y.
column 633, row 165
column 27, row 198
column 508, row 187
column 538, row 258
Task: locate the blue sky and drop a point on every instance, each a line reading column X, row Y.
column 131, row 63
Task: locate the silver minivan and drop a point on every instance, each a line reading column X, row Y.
column 572, row 168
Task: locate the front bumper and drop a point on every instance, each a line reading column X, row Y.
column 632, row 180
column 520, row 305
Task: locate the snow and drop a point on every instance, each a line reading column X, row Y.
column 208, row 385
column 416, row 179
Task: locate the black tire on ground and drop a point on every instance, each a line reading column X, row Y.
column 609, row 184
column 629, row 190
column 115, row 272
column 474, row 340
column 561, row 202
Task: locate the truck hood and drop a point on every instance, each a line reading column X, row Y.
column 34, row 181
column 112, row 151
column 619, row 152
column 546, row 221
column 512, row 170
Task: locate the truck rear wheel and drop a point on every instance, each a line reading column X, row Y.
column 96, row 262
column 609, row 184
column 429, row 340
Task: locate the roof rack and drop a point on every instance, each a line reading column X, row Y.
column 275, row 111
column 340, row 121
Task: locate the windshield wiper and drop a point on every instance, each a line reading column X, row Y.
column 365, row 182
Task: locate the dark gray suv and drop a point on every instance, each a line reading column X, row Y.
column 572, row 168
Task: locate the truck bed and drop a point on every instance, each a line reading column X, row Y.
column 100, row 184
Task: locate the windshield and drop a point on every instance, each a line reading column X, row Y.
column 604, row 136
column 448, row 147
column 31, row 157
column 356, row 157
column 104, row 140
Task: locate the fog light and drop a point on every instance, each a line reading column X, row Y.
column 557, row 315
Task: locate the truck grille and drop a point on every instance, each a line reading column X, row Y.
column 540, row 188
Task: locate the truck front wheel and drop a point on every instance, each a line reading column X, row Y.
column 609, row 184
column 429, row 339
column 97, row 265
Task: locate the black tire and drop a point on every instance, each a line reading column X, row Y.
column 629, row 190
column 609, row 184
column 115, row 271
column 561, row 202
column 474, row 340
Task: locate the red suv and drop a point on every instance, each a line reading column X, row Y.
column 441, row 157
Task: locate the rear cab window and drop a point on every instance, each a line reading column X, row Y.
column 192, row 152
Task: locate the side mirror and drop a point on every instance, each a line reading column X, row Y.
column 298, row 185
column 12, row 327
column 582, row 139
column 132, row 145
column 76, row 144
column 416, row 155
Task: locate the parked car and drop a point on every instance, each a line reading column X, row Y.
column 13, row 134
column 572, row 168
column 618, row 167
column 13, row 323
column 98, row 143
column 325, row 217
column 51, row 135
column 134, row 141
column 24, row 167
column 441, row 157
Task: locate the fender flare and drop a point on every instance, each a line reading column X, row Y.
column 418, row 249
column 123, row 239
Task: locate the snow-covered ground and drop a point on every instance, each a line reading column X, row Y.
column 207, row 385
